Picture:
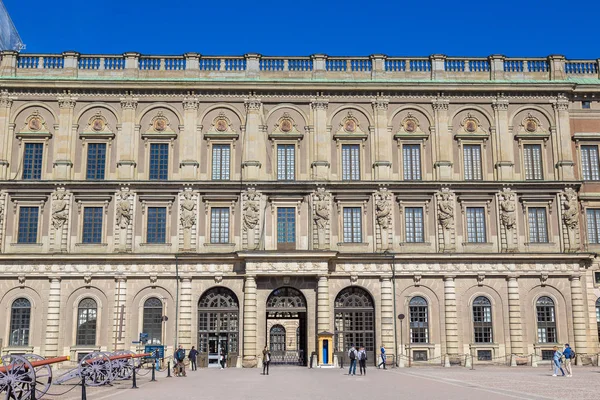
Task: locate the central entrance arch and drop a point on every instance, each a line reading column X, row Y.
column 354, row 322
column 286, row 326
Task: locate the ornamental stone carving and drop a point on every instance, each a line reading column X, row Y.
column 251, row 218
column 60, row 217
column 445, row 216
column 383, row 216
column 507, row 204
column 321, row 205
column 188, row 215
column 2, row 214
column 570, row 217
column 123, row 219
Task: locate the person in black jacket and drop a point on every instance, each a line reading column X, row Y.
column 266, row 360
column 180, row 358
column 192, row 356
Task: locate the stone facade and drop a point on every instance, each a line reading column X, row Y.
column 351, row 192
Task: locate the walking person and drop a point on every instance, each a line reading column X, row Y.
column 192, row 356
column 180, row 358
column 266, row 360
column 569, row 355
column 383, row 357
column 352, row 355
column 556, row 362
column 222, row 358
column 362, row 360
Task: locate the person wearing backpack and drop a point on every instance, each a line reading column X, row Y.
column 352, row 355
column 569, row 355
column 362, row 360
column 383, row 357
column 556, row 362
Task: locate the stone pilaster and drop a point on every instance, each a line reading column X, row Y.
column 255, row 141
column 451, row 315
column 323, row 320
column 53, row 319
column 184, row 331
column 189, row 137
column 387, row 313
column 126, row 140
column 444, row 141
column 321, row 141
column 579, row 325
column 565, row 165
column 120, row 314
column 5, row 137
column 383, row 141
column 250, row 351
column 505, row 154
column 63, row 151
column 514, row 316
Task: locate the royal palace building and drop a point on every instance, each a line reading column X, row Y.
column 446, row 208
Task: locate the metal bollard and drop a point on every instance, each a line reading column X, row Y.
column 33, row 394
column 153, row 371
column 134, row 385
column 168, row 369
column 83, row 392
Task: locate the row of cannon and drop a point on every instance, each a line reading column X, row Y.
column 29, row 376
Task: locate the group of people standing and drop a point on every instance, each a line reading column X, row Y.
column 563, row 358
column 360, row 355
column 179, row 360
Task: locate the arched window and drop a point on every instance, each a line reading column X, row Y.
column 277, row 338
column 87, row 312
column 546, row 321
column 218, row 325
column 20, row 317
column 153, row 312
column 419, row 322
column 354, row 321
column 598, row 316
column 482, row 320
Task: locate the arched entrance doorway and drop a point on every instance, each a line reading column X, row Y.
column 286, row 314
column 354, row 322
column 218, row 324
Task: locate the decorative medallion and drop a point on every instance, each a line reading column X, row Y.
column 221, row 125
column 350, row 126
column 160, row 124
column 470, row 126
column 35, row 123
column 98, row 124
column 531, row 124
column 286, row 125
column 410, row 123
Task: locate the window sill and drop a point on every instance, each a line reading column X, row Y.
column 348, row 244
column 219, row 244
column 91, row 244
column 415, row 244
column 417, row 346
column 155, row 244
column 535, row 244
column 17, row 350
column 479, row 346
column 26, row 244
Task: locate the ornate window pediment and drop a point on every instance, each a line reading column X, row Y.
column 410, row 128
column 470, row 128
column 350, row 129
column 532, row 128
column 160, row 128
column 35, row 127
column 221, row 128
column 97, row 128
column 285, row 128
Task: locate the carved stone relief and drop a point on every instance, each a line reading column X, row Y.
column 2, row 215
column 570, row 218
column 383, row 216
column 321, row 206
column 124, row 201
column 188, row 216
column 507, row 206
column 445, row 216
column 61, row 207
column 251, row 200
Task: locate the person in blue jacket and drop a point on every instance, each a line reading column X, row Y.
column 569, row 355
column 556, row 362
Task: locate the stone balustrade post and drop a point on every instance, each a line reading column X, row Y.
column 8, row 64
column 557, row 67
column 192, row 64
column 319, row 65
column 579, row 326
column 252, row 65
column 438, row 66
column 70, row 62
column 132, row 64
column 496, row 66
column 377, row 65
column 250, row 323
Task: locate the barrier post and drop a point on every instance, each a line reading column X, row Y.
column 168, row 369
column 153, row 371
column 33, row 394
column 83, row 392
column 134, row 385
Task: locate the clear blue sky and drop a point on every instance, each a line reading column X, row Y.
column 351, row 27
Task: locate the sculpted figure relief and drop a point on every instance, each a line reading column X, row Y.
column 321, row 215
column 446, row 209
column 508, row 205
column 60, row 211
column 571, row 208
column 123, row 209
column 383, row 215
column 251, row 209
column 188, row 211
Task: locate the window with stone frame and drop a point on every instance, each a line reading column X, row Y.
column 286, row 162
column 350, row 162
column 411, row 162
column 476, row 225
column 482, row 320
column 472, row 162
column 219, row 225
column 159, row 162
column 96, row 161
column 598, row 316
column 413, row 225
column 590, row 169
column 532, row 158
column 20, row 320
column 546, row 322
column 538, row 226
column 87, row 314
column 156, row 225
column 92, row 225
column 221, row 159
column 33, row 155
column 28, row 224
column 286, row 228
column 593, row 225
column 152, row 320
column 352, row 224
column 419, row 321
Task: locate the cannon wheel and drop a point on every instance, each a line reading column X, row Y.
column 95, row 368
column 17, row 378
column 125, row 366
column 43, row 375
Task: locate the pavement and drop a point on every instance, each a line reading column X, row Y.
column 489, row 383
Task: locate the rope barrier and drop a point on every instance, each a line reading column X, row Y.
column 78, row 384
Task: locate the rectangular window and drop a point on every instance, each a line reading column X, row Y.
column 156, row 231
column 32, row 160
column 538, row 230
column 589, row 163
column 413, row 220
column 484, row 355
column 352, row 225
column 28, row 224
column 92, row 225
column 159, row 161
column 286, row 162
column 411, row 157
column 420, row 355
column 532, row 157
column 475, row 224
column 351, row 162
column 96, row 161
column 547, row 355
column 286, row 228
column 219, row 225
column 220, row 162
column 472, row 162
column 593, row 225
column 586, row 105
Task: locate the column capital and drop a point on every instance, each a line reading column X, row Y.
column 440, row 104
column 449, row 277
column 186, row 279
column 129, row 103
column 380, row 104
column 55, row 278
column 385, row 277
column 500, row 104
column 325, row 277
column 319, row 104
column 252, row 105
column 120, row 279
column 575, row 277
column 67, row 102
column 191, row 103
column 561, row 103
column 512, row 277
